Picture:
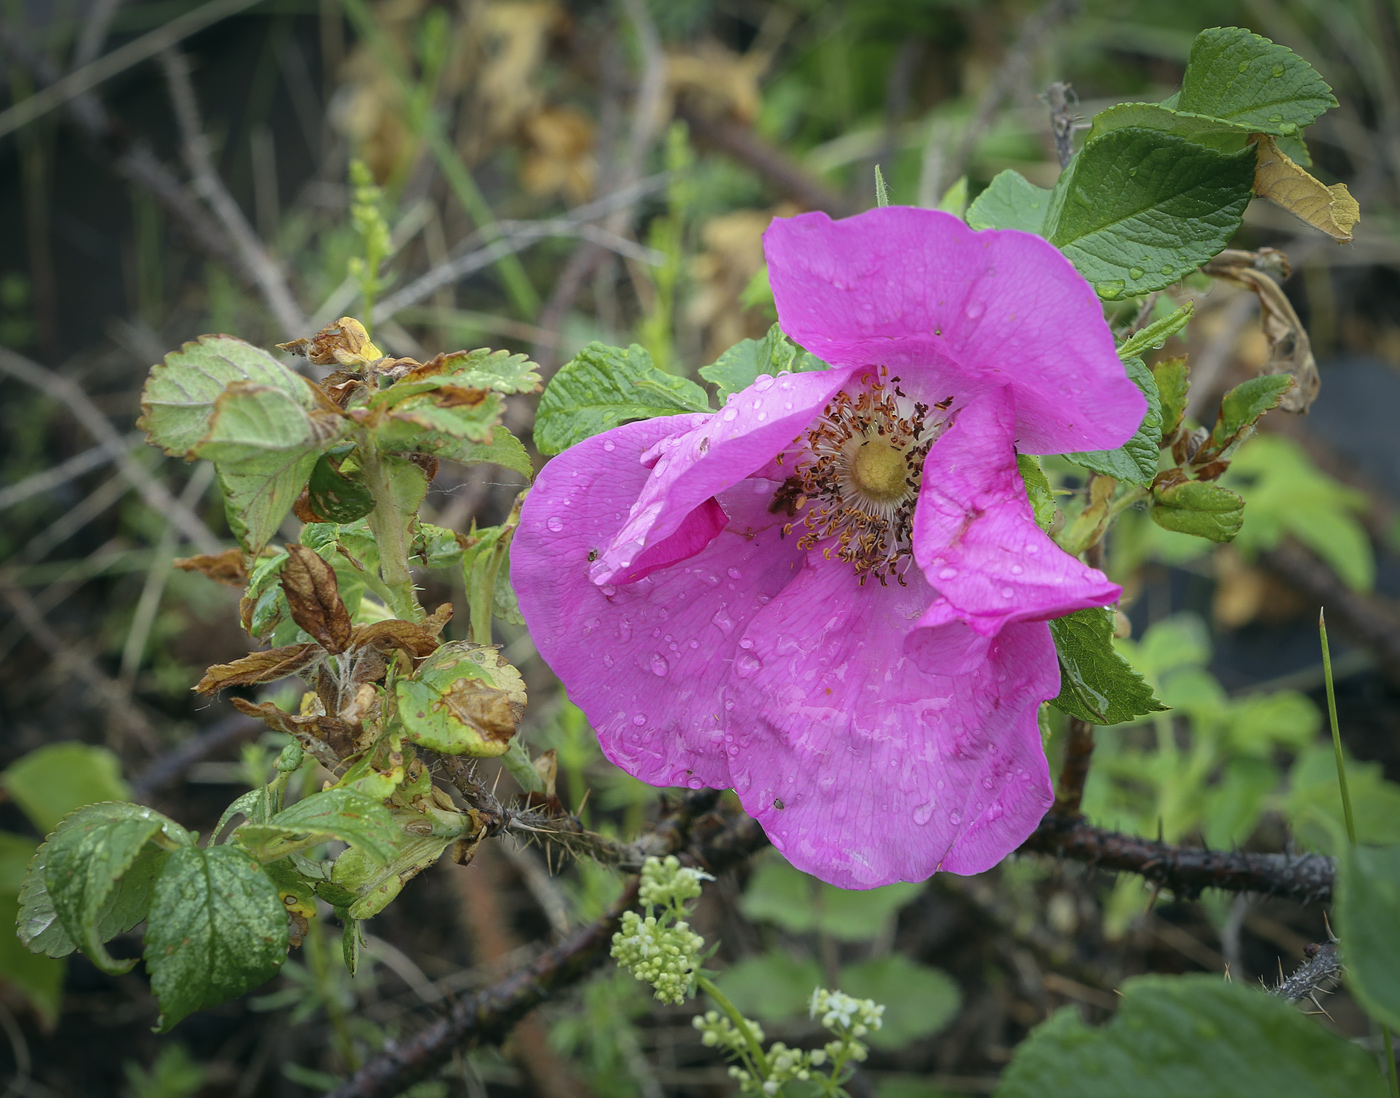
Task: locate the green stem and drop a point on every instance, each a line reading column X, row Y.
column 760, row 1061
column 1336, row 731
column 1346, row 810
column 388, row 527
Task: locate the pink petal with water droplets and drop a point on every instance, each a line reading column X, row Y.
column 975, row 536
column 917, row 290
column 865, row 769
column 647, row 662
column 715, row 453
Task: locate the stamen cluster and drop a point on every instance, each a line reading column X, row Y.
column 859, row 478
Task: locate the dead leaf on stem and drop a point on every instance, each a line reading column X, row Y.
column 1281, row 181
column 226, row 567
column 256, row 667
column 313, row 595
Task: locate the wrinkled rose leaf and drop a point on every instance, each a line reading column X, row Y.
column 420, row 839
column 1198, row 508
column 1096, row 683
column 1242, row 77
column 1156, row 334
column 216, row 929
column 1190, row 1035
column 737, row 368
column 464, row 700
column 606, row 386
column 335, row 814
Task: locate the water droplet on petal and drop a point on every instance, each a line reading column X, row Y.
column 659, row 666
column 734, row 573
column 1016, row 569
column 624, row 630
column 608, row 590
column 555, row 523
column 947, row 573
column 974, row 310
column 762, row 382
column 1007, row 593
column 729, row 415
column 610, row 446
column 954, row 819
column 590, row 626
column 695, row 783
column 639, row 720
column 745, row 664
column 722, row 619
column 923, row 812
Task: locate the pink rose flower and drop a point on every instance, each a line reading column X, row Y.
column 831, row 595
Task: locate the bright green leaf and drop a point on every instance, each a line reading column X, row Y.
column 606, row 386
column 741, row 365
column 1010, row 202
column 1156, row 334
column 1313, row 805
column 1137, row 210
column 1190, row 1035
column 49, row 782
column 421, row 839
column 1199, row 508
column 1136, row 460
column 1242, row 77
column 1037, row 489
column 1096, row 683
column 918, row 1000
column 1173, row 389
column 1217, row 132
column 1245, row 403
column 1368, row 898
column 335, row 814
column 216, row 929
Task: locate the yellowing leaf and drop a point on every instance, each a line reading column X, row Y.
column 1282, row 182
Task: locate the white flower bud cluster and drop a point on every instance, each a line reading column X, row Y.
column 659, row 953
column 666, row 883
column 717, row 1031
column 842, row 1013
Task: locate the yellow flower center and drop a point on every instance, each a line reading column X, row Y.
column 880, row 471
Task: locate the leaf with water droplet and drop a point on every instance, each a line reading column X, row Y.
column 1222, row 80
column 1096, row 683
column 749, row 359
column 603, row 387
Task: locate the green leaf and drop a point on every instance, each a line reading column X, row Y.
column 1038, row 489
column 216, row 929
column 1190, row 1035
column 1245, row 403
column 793, row 900
column 258, row 495
column 1096, row 683
column 1156, row 334
column 49, row 782
column 740, row 366
column 1199, row 508
column 464, row 699
column 504, row 449
column 421, row 839
column 919, row 1001
column 1010, row 202
column 772, row 986
column 335, row 814
column 91, row 880
column 438, row 421
column 1216, row 132
column 1368, row 898
column 335, row 496
column 1137, row 210
column 606, row 386
column 179, row 399
column 1136, row 460
column 1173, row 388
column 1313, row 807
column 499, row 371
column 37, row 979
column 1287, row 494
column 1239, row 76
column 882, row 194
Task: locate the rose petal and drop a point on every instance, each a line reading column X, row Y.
column 864, row 769
column 975, row 535
column 646, row 662
column 715, row 453
column 917, row 289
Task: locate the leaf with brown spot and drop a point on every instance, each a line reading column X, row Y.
column 418, row 639
column 464, row 700
column 313, row 595
column 268, row 666
column 226, row 567
column 1281, row 181
column 328, row 738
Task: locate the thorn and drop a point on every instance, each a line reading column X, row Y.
column 1227, row 973
column 1320, row 1007
column 1152, row 900
column 1280, row 968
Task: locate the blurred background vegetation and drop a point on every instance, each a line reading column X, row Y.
column 552, row 173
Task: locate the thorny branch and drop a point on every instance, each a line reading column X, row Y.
column 1079, row 750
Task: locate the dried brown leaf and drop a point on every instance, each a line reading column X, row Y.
column 344, row 343
column 314, row 598
column 1290, row 350
column 328, row 738
column 226, row 567
column 268, row 666
column 1281, row 181
column 418, row 639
